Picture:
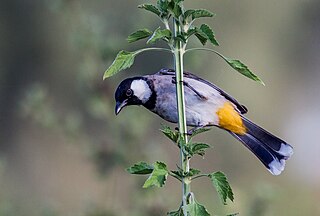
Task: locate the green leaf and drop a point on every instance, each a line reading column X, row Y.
column 204, row 33
column 163, row 6
column 176, row 9
column 191, row 32
column 176, row 213
column 138, row 35
column 196, row 209
column 180, row 174
column 202, row 38
column 198, row 13
column 140, row 168
column 172, row 135
column 177, row 174
column 199, row 131
column 220, row 182
column 209, row 33
column 123, row 61
column 159, row 34
column 243, row 69
column 193, row 172
column 158, row 176
column 150, row 8
column 181, row 38
column 198, row 148
column 188, row 13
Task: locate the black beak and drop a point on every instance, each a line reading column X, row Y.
column 120, row 105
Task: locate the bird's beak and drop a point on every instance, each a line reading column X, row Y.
column 120, row 105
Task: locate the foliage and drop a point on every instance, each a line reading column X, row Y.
column 177, row 40
column 220, row 182
column 165, row 10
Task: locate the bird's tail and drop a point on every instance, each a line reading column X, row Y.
column 271, row 151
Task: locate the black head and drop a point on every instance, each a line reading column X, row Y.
column 132, row 91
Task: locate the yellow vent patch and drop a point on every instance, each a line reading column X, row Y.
column 230, row 119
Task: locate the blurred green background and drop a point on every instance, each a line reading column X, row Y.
column 64, row 152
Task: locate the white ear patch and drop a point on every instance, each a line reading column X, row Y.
column 141, row 90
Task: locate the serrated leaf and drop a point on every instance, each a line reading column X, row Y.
column 196, row 209
column 163, row 6
column 138, row 35
column 191, row 32
column 202, row 38
column 198, row 148
column 150, row 8
column 123, row 61
column 181, row 38
column 158, row 176
column 204, row 33
column 159, row 34
column 176, row 213
column 199, row 131
column 176, row 9
column 177, row 174
column 193, row 172
column 209, row 33
column 198, row 13
column 188, row 13
column 243, row 69
column 140, row 168
column 220, row 182
column 180, row 174
column 171, row 134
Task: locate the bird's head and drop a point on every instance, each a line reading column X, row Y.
column 132, row 91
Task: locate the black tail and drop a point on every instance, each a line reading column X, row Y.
column 270, row 150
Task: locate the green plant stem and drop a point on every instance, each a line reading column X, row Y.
column 152, row 49
column 179, row 47
column 199, row 176
column 174, row 176
column 206, row 49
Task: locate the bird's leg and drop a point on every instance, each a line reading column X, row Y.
column 191, row 88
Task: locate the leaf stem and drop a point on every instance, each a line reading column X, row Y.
column 199, row 176
column 152, row 49
column 166, row 23
column 174, row 176
column 179, row 49
column 235, row 64
column 206, row 49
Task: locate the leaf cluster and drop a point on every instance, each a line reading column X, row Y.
column 190, row 148
column 158, row 173
column 165, row 10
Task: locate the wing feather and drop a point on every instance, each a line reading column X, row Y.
column 242, row 109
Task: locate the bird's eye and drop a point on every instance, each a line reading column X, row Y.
column 129, row 92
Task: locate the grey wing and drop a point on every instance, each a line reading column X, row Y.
column 242, row 109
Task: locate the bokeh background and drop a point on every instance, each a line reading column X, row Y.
column 64, row 152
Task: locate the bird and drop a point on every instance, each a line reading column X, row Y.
column 206, row 105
